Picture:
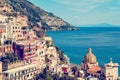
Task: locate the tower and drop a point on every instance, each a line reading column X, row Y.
column 90, row 65
column 111, row 70
column 89, row 60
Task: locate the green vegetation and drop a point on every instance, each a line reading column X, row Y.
column 35, row 14
column 74, row 69
column 48, row 75
column 49, row 43
column 7, row 59
column 61, row 55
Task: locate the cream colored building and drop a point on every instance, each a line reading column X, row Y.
column 48, row 38
column 111, row 71
column 12, row 31
column 19, row 71
column 3, row 37
column 5, row 8
column 15, row 32
column 3, row 19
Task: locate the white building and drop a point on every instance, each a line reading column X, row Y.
column 19, row 71
column 111, row 71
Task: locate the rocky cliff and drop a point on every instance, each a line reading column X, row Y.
column 37, row 16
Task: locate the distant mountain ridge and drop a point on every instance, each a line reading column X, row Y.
column 100, row 25
column 38, row 17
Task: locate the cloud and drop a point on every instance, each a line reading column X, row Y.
column 84, row 11
column 89, row 5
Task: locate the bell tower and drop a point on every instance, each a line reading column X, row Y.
column 111, row 70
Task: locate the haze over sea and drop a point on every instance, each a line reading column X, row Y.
column 104, row 41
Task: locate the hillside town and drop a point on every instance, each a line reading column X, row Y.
column 24, row 55
column 35, row 53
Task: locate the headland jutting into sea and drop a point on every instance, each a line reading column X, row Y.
column 26, row 53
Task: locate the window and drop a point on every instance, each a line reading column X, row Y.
column 28, row 75
column 4, row 37
column 11, row 75
column 15, row 74
column 22, row 72
column 24, row 77
column 109, row 79
column 6, row 75
column 19, row 73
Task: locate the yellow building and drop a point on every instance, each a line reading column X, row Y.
column 90, row 65
column 89, row 60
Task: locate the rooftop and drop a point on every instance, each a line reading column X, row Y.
column 20, row 68
column 111, row 64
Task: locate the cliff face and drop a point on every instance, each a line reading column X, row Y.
column 37, row 16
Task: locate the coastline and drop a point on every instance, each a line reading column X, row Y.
column 75, row 43
column 72, row 65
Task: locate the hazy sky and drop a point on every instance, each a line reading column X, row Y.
column 83, row 12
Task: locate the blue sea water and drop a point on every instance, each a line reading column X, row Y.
column 104, row 41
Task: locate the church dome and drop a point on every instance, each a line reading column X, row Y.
column 90, row 57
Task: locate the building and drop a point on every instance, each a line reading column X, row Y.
column 3, row 19
column 90, row 65
column 22, row 19
column 7, row 48
column 0, row 70
column 5, row 7
column 110, row 70
column 15, row 32
column 91, row 78
column 3, row 33
column 19, row 71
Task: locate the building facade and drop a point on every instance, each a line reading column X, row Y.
column 19, row 71
column 110, row 71
column 90, row 65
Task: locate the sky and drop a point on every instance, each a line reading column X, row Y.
column 83, row 12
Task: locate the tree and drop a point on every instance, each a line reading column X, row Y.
column 49, row 77
column 74, row 69
column 8, row 58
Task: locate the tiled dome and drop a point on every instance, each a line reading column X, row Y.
column 90, row 57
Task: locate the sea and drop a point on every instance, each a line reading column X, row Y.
column 104, row 41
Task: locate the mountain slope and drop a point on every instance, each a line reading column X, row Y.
column 38, row 17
